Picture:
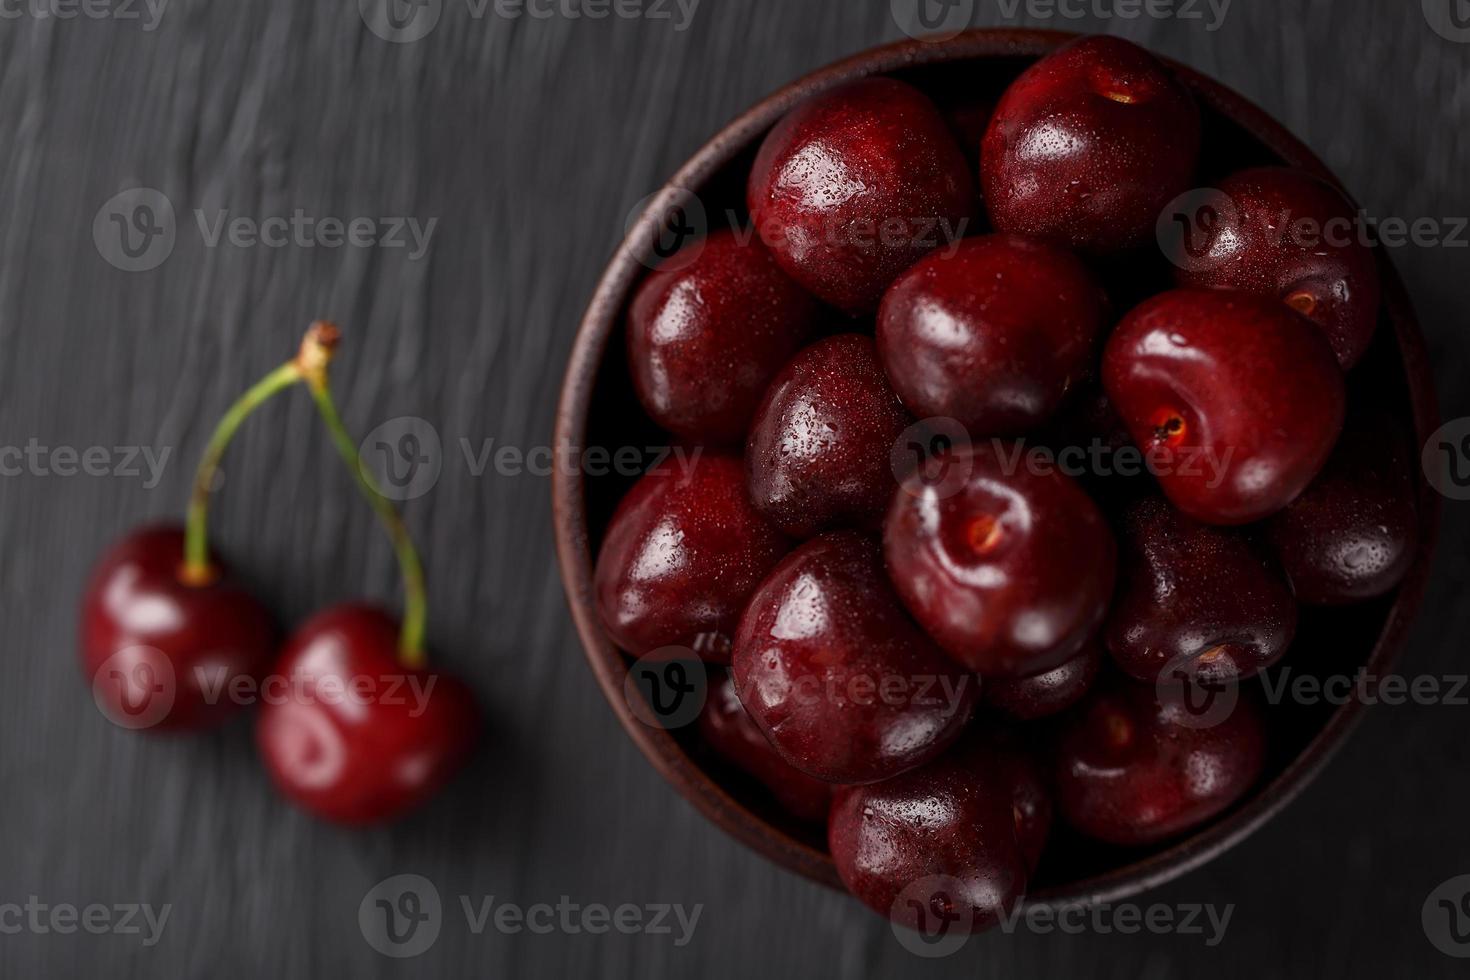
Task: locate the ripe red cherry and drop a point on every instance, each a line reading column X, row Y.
column 1010, row 570
column 836, row 675
column 857, row 184
column 162, row 654
column 727, row 728
column 707, row 332
column 1237, row 400
column 1351, row 535
column 820, row 449
column 353, row 736
column 1132, row 770
column 1208, row 600
column 992, row 335
column 953, row 840
column 1283, row 233
column 683, row 552
column 1048, row 693
column 1088, row 145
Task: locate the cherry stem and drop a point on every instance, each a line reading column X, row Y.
column 415, row 599
column 197, row 569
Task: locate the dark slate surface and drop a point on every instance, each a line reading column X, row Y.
column 529, row 140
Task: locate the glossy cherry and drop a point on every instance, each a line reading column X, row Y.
column 683, row 552
column 837, row 676
column 163, row 654
column 352, row 735
column 708, row 331
column 951, row 842
column 727, row 728
column 1351, row 536
column 1134, row 770
column 820, row 449
column 1088, row 145
column 1009, row 566
column 1048, row 693
column 1208, row 600
column 1284, row 233
column 992, row 334
column 855, row 185
column 1237, row 399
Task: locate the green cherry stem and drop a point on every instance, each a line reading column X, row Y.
column 415, row 600
column 197, row 570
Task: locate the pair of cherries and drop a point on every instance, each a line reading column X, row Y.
column 821, row 548
column 357, row 731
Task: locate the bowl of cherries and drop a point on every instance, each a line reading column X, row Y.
column 1036, row 417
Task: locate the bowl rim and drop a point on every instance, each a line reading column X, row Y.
column 604, row 317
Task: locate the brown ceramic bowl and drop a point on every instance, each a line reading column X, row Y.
column 598, row 408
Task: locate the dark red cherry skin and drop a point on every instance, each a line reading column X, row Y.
column 857, row 184
column 369, row 757
column 683, row 552
column 965, row 816
column 1048, row 693
column 837, row 676
column 708, row 331
column 1237, row 399
column 820, row 449
column 1206, row 599
column 727, row 728
column 1088, row 145
column 1132, row 770
column 992, row 334
column 1292, row 237
column 1352, row 535
column 1011, row 573
column 209, row 635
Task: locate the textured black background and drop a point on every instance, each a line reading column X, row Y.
column 530, row 140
